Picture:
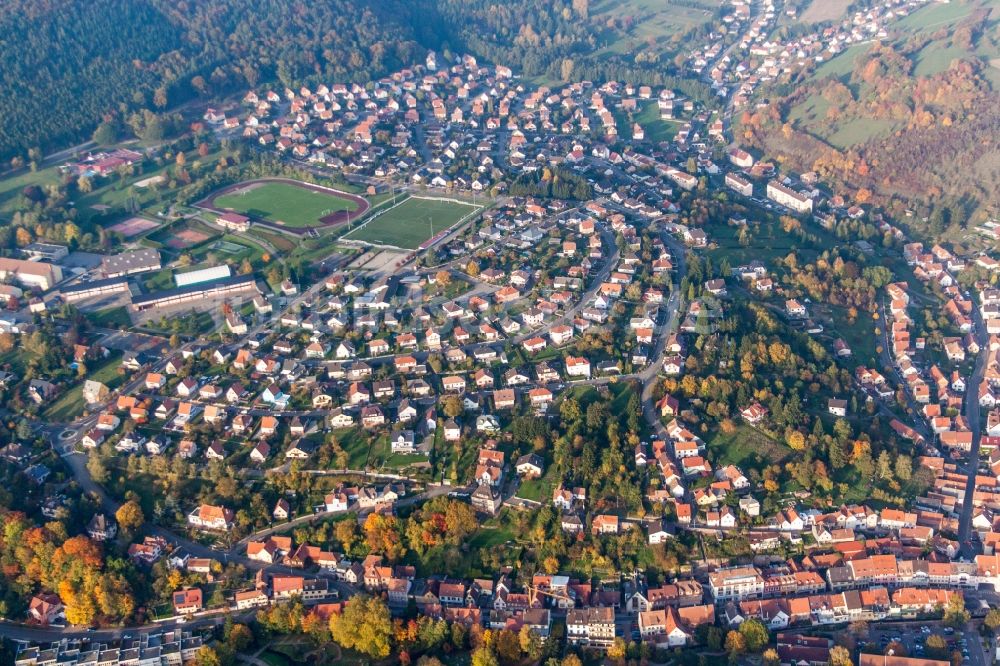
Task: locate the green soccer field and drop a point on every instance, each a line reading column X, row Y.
column 412, row 222
column 284, row 204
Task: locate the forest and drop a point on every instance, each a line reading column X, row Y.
column 67, row 66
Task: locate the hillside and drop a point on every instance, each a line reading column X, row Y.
column 927, row 95
column 65, row 64
column 632, row 40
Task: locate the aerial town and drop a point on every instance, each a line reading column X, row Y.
column 456, row 366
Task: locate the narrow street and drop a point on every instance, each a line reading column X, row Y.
column 972, row 416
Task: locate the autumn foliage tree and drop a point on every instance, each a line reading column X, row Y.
column 365, row 626
column 440, row 522
column 129, row 516
column 39, row 559
column 383, row 535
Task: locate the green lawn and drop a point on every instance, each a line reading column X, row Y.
column 936, row 57
column 279, row 241
column 768, row 242
column 745, row 447
column 402, row 460
column 412, row 222
column 115, row 194
column 67, row 406
column 820, row 11
column 274, row 658
column 859, row 336
column 285, row 204
column 14, row 359
column 110, row 318
column 193, row 323
column 381, row 455
column 308, row 250
column 854, row 132
column 11, row 188
column 231, row 249
column 159, row 280
column 842, row 64
column 933, row 58
column 655, row 128
column 70, row 404
column 356, row 442
column 489, row 537
column 810, row 116
column 538, row 490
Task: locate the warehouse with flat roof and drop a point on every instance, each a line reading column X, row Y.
column 95, row 289
column 128, row 263
column 237, row 284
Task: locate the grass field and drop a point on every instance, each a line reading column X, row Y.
column 935, row 15
column 357, row 444
column 769, row 242
column 279, row 241
column 110, row 318
column 810, row 114
column 859, row 334
column 285, row 204
column 411, row 223
column 192, row 323
column 111, row 193
column 655, row 128
column 540, row 489
column 655, row 21
column 934, row 57
column 842, row 64
column 745, row 447
column 488, row 537
column 231, row 248
column 70, row 404
column 819, row 11
column 856, row 131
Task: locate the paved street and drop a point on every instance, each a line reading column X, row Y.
column 972, row 415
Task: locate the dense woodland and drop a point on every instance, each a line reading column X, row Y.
column 66, row 65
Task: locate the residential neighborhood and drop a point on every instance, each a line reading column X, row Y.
column 468, row 360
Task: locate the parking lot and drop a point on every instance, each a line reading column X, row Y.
column 913, row 638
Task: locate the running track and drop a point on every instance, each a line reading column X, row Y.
column 332, row 220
